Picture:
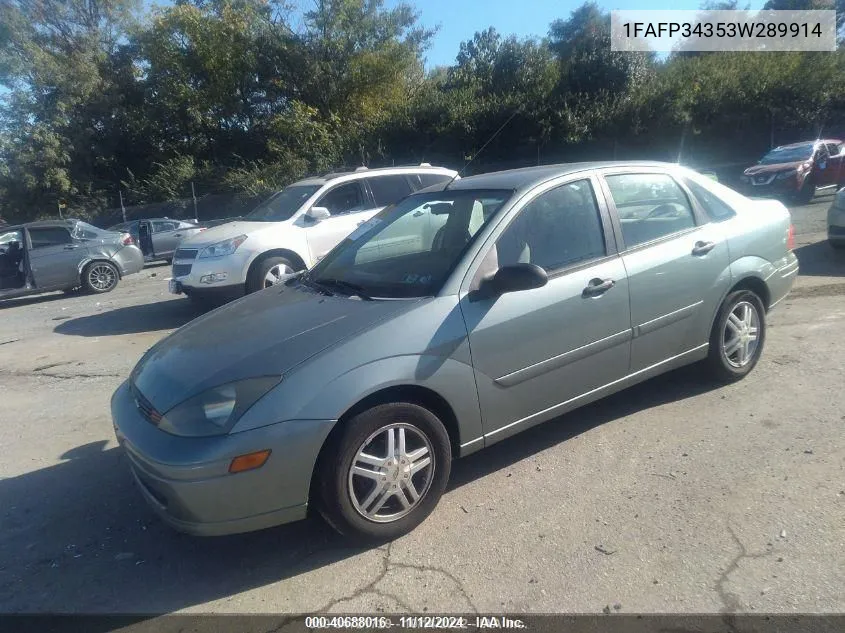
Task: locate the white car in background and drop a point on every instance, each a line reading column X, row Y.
column 291, row 231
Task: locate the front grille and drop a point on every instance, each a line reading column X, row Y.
column 145, row 407
column 180, row 270
column 836, row 230
column 185, row 253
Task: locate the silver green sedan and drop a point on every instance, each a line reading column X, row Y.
column 456, row 318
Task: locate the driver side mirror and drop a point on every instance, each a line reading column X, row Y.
column 513, row 279
column 317, row 214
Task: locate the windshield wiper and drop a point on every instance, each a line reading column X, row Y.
column 349, row 287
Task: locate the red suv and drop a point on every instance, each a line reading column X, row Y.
column 797, row 170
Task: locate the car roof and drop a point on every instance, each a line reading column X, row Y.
column 803, row 143
column 365, row 172
column 528, row 177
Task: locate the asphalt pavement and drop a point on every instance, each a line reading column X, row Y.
column 672, row 496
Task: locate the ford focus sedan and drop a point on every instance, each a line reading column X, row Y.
column 466, row 313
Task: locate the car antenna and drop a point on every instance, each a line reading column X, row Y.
column 489, row 140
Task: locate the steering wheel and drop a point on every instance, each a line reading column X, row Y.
column 663, row 210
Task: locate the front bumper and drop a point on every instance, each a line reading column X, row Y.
column 186, row 480
column 773, row 187
column 836, row 224
column 189, row 270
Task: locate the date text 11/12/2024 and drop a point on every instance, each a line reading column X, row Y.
column 413, row 622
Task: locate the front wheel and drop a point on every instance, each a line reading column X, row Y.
column 268, row 272
column 737, row 338
column 384, row 473
column 100, row 277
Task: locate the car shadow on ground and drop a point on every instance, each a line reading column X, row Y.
column 148, row 317
column 78, row 537
column 820, row 260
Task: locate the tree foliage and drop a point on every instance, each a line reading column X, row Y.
column 246, row 95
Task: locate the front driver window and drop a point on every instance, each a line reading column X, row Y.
column 343, row 199
column 559, row 228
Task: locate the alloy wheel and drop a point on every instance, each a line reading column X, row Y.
column 101, row 277
column 276, row 274
column 740, row 338
column 391, row 473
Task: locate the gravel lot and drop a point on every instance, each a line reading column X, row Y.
column 672, row 496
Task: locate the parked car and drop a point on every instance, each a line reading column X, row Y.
column 797, row 170
column 460, row 316
column 63, row 255
column 836, row 221
column 159, row 237
column 291, row 231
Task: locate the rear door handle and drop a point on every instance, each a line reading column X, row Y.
column 598, row 287
column 702, row 248
column 70, row 247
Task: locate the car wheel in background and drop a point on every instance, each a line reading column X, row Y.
column 807, row 191
column 737, row 338
column 100, row 277
column 384, row 471
column 268, row 272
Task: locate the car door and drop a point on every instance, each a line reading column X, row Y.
column 824, row 171
column 837, row 162
column 677, row 262
column 55, row 256
column 349, row 205
column 164, row 236
column 537, row 352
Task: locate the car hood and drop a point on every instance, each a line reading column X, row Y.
column 264, row 334
column 771, row 169
column 225, row 232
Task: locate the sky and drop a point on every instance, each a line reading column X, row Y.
column 460, row 19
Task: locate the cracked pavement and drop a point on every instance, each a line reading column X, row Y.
column 672, row 496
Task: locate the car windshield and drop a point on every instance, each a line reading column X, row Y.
column 408, row 250
column 282, row 205
column 788, row 154
column 86, row 231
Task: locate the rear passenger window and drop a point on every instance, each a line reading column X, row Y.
column 713, row 206
column 49, row 236
column 650, row 206
column 389, row 189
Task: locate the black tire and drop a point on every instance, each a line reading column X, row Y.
column 100, row 277
column 256, row 280
column 807, row 191
column 836, row 245
column 334, row 491
column 722, row 367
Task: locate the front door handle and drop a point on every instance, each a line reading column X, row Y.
column 702, row 248
column 598, row 287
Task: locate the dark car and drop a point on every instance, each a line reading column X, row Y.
column 797, row 170
column 62, row 255
column 159, row 237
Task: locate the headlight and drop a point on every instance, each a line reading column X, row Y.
column 219, row 249
column 215, row 411
column 786, row 174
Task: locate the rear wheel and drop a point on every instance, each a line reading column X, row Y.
column 268, row 272
column 100, row 277
column 737, row 338
column 384, row 472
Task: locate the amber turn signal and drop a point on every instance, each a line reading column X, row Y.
column 250, row 461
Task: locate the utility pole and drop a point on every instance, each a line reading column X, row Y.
column 122, row 208
column 194, row 196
